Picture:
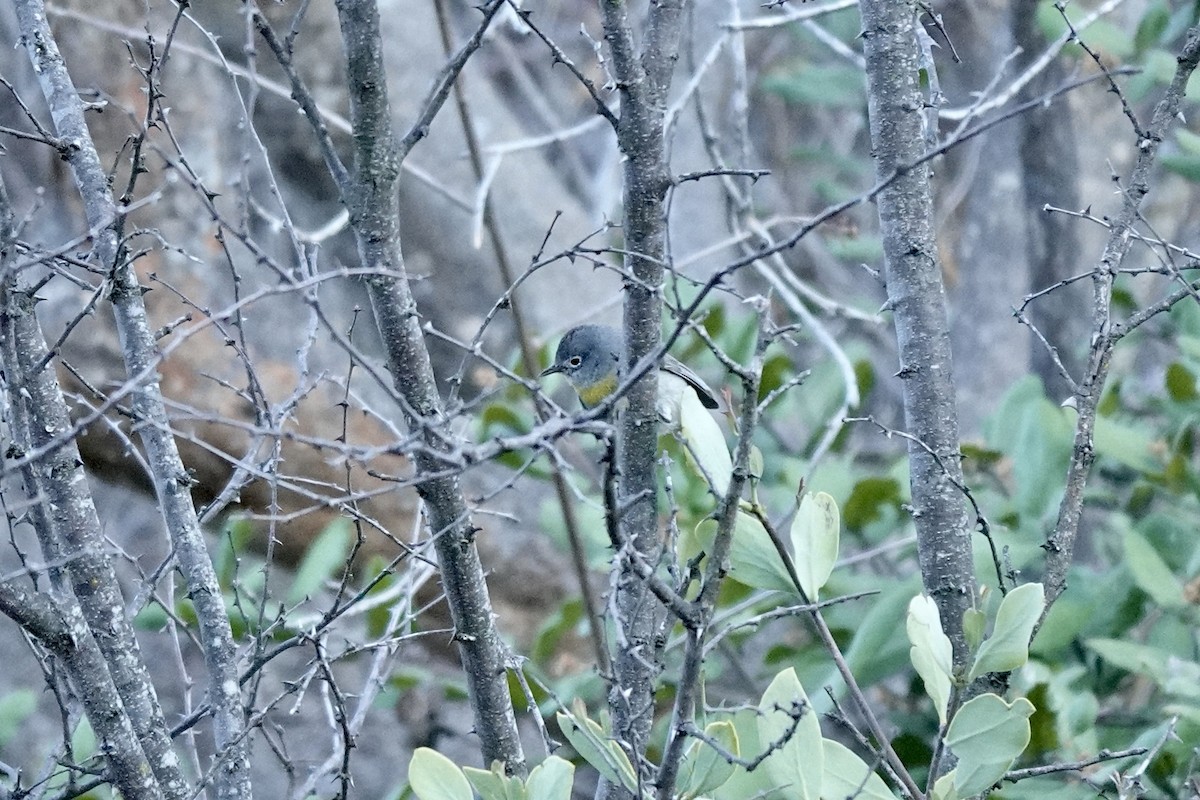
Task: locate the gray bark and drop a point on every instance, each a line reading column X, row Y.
column 643, row 79
column 987, row 272
column 1050, row 176
column 917, row 300
column 369, row 194
column 1060, row 545
column 60, row 627
column 172, row 484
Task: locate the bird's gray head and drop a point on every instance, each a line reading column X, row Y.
column 589, row 356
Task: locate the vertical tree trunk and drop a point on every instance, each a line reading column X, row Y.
column 1050, row 175
column 171, row 482
column 371, row 199
column 917, row 300
column 643, row 80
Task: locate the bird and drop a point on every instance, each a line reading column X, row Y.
column 590, row 357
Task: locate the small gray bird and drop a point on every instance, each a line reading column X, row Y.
column 590, row 358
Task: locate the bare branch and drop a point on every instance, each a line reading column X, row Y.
column 1060, row 545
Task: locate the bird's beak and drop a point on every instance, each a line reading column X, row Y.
column 550, row 370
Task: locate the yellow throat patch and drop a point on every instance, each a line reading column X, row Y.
column 594, row 395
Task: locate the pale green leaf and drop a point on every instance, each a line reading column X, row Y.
column 1128, row 443
column 1151, row 573
column 987, row 735
column 551, row 780
column 15, row 707
column 847, row 775
column 1131, row 656
column 756, row 467
column 1183, row 680
column 696, row 540
column 799, row 763
column 814, row 535
column 943, row 788
column 1036, row 435
column 931, row 652
column 1176, row 676
column 493, row 784
column 704, row 769
column 326, row 554
column 1008, row 646
column 743, row 784
column 753, row 558
column 705, row 443
column 596, row 747
column 435, row 777
column 1171, row 673
column 83, row 739
column 1188, row 141
column 974, row 626
column 876, row 652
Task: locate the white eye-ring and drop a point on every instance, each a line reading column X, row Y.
column 574, row 361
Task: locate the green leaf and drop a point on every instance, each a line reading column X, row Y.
column 858, row 248
column 1183, row 681
column 1185, row 166
column 1155, row 663
column 974, row 625
column 864, row 373
column 743, row 784
column 1112, row 41
column 493, row 784
column 15, row 708
column 1008, row 646
column 798, row 764
column 704, row 769
column 931, row 652
column 435, row 777
column 1128, row 444
column 596, row 746
column 847, row 775
column 987, row 735
column 500, row 418
column 1188, row 141
column 551, row 780
column 326, row 554
column 756, row 467
column 814, row 534
column 1151, row 573
column 705, row 443
column 235, row 540
column 869, row 497
column 943, row 788
column 83, row 739
column 753, row 559
column 1036, row 435
column 1158, row 67
column 560, row 623
column 1181, row 383
column 876, row 652
column 814, row 84
column 1152, row 26
column 775, row 370
column 1075, row 709
column 151, row 618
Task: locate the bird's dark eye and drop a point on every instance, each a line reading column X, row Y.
column 574, row 361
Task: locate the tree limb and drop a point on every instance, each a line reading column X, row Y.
column 917, row 299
